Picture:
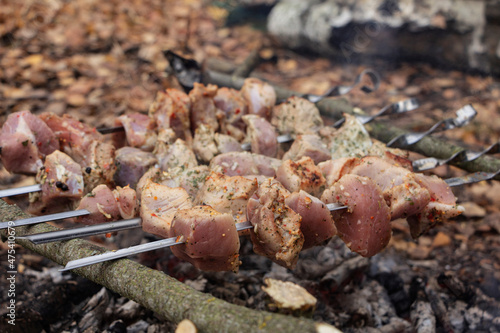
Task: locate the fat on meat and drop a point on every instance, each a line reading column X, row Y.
column 204, row 146
column 317, row 224
column 301, row 175
column 171, row 110
column 62, row 185
column 139, row 131
column 24, row 141
column 442, row 205
column 244, row 164
column 296, row 116
column 226, row 143
column 308, row 145
column 210, row 238
column 203, row 110
column 333, row 170
column 227, row 194
column 261, row 135
column 234, row 106
column 131, row 164
column 401, row 190
column 159, row 203
column 276, row 227
column 102, row 205
column 98, row 165
column 73, row 135
column 177, row 154
column 260, row 97
column 365, row 225
column 126, row 197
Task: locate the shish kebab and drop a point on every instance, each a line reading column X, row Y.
column 394, row 108
column 463, row 116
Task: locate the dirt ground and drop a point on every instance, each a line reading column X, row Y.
column 99, row 59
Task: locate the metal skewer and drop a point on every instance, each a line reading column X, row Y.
column 464, row 116
column 459, row 157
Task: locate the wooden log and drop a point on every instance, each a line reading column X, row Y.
column 335, row 107
column 169, row 298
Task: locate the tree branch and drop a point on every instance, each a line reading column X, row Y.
column 169, row 298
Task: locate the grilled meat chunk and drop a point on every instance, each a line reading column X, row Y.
column 174, row 155
column 98, row 166
column 333, row 170
column 261, row 135
column 234, row 106
column 204, row 145
column 131, row 164
column 62, row 185
column 203, row 110
column 317, row 224
column 276, row 232
column 296, row 116
column 211, row 239
column 227, row 194
column 139, row 131
column 365, row 226
column 226, row 143
column 260, row 97
column 126, row 197
column 245, row 163
column 159, row 203
column 102, row 205
column 301, row 175
column 171, row 110
column 24, row 141
column 308, row 145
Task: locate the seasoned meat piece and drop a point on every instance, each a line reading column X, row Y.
column 191, row 179
column 296, row 116
column 177, row 154
column 260, row 97
column 333, row 170
column 203, row 110
column 155, row 175
column 351, row 140
column 170, row 110
column 74, row 136
column 62, row 184
column 159, row 203
column 211, row 239
column 365, row 225
column 261, row 135
column 227, row 194
column 397, row 155
column 276, row 232
column 102, row 205
column 245, row 163
column 399, row 186
column 24, row 141
column 139, row 131
column 126, row 198
column 131, row 163
column 98, row 165
column 226, row 143
column 301, row 175
column 204, row 145
column 231, row 102
column 308, row 145
column 317, row 224
column 442, row 205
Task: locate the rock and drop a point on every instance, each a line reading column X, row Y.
column 472, row 209
column 452, row 33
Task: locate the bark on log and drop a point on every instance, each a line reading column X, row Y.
column 334, row 107
column 169, row 298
